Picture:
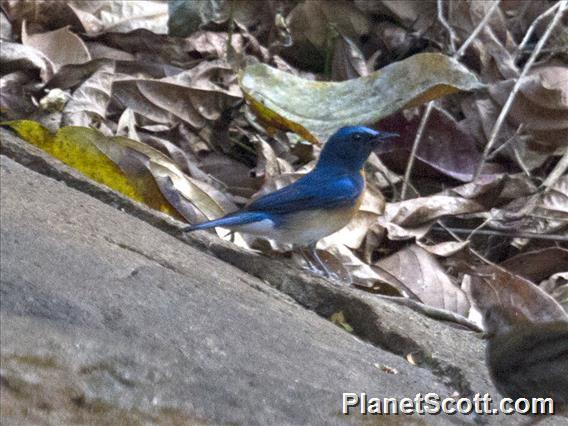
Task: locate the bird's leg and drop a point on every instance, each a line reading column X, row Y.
column 321, row 266
column 309, row 261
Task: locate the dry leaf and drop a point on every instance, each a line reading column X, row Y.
column 313, row 110
column 50, row 44
column 425, row 277
column 505, row 299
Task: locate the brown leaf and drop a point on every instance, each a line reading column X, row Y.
column 14, row 101
column 50, row 44
column 309, row 21
column 541, row 106
column 445, row 147
column 444, row 249
column 17, row 57
column 348, row 60
column 418, row 211
column 235, row 175
column 149, row 47
column 191, row 96
column 416, row 15
column 547, row 86
column 213, row 45
column 540, row 213
column 44, row 15
column 120, row 16
column 538, row 265
column 88, row 104
column 557, row 287
column 505, row 299
column 423, row 274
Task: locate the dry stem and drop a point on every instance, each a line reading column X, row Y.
column 428, row 110
column 505, row 110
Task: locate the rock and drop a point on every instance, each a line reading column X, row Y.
column 103, row 315
column 108, row 310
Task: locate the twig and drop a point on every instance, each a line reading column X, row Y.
column 428, row 110
column 531, row 29
column 447, row 26
column 508, row 141
column 527, row 235
column 520, row 161
column 417, row 139
column 560, row 169
column 432, row 312
column 505, row 110
column 479, row 228
column 477, row 30
column 229, row 51
column 457, row 238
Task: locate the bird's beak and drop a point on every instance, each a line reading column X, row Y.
column 387, row 135
column 384, row 142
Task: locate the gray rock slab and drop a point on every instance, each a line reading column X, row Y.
column 103, row 315
column 108, row 311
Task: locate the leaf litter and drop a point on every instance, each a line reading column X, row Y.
column 195, row 109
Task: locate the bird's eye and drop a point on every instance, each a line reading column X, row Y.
column 357, row 137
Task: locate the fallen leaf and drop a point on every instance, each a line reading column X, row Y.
column 445, row 147
column 348, row 60
column 191, row 96
column 130, row 167
column 74, row 147
column 419, row 211
column 17, row 57
column 50, row 43
column 312, row 109
column 445, row 249
column 557, row 287
column 120, row 16
column 538, row 265
column 14, row 101
column 88, row 104
column 540, row 213
column 541, row 106
column 505, row 299
column 423, row 274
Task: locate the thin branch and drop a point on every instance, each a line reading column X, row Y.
column 508, row 141
column 527, row 235
column 505, row 110
column 560, row 169
column 520, row 161
column 432, row 312
column 447, row 26
column 479, row 228
column 415, row 145
column 477, row 30
column 531, row 29
column 428, row 110
column 450, row 231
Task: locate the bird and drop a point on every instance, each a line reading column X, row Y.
column 318, row 204
column 529, row 360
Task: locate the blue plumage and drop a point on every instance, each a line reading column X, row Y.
column 316, row 205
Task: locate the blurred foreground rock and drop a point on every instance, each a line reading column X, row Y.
column 104, row 316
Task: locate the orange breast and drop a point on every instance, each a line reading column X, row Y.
column 309, row 226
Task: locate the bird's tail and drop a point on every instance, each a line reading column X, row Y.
column 229, row 221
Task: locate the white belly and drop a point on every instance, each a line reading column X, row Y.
column 307, row 227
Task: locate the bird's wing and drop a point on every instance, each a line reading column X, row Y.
column 311, row 192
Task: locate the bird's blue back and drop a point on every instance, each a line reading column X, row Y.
column 323, row 188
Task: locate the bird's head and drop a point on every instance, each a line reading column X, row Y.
column 350, row 147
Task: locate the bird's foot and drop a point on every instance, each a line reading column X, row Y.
column 325, row 273
column 315, row 265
